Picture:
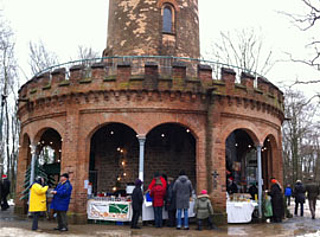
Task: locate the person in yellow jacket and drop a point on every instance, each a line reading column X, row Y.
column 37, row 202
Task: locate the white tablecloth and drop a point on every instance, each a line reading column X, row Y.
column 148, row 214
column 240, row 212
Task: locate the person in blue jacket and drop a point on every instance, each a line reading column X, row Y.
column 61, row 200
column 288, row 194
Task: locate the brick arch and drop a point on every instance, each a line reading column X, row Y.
column 96, row 128
column 248, row 127
column 273, row 137
column 174, row 3
column 192, row 130
column 37, row 129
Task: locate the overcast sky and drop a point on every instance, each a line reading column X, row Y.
column 63, row 25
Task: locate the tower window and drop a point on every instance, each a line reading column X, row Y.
column 168, row 16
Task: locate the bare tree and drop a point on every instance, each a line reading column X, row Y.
column 306, row 21
column 296, row 135
column 41, row 58
column 85, row 52
column 9, row 84
column 244, row 49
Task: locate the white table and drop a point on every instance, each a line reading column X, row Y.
column 240, row 212
column 148, row 214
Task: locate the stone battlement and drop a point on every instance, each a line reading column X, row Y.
column 163, row 74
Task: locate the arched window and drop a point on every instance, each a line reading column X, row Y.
column 167, row 24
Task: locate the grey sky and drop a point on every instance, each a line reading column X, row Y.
column 63, row 25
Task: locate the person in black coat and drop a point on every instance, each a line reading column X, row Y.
column 137, row 200
column 5, row 190
column 171, row 203
column 276, row 201
column 299, row 195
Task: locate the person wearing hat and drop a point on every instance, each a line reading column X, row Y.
column 312, row 189
column 61, row 200
column 4, row 191
column 232, row 186
column 299, row 195
column 137, row 200
column 203, row 209
column 276, row 200
column 158, row 193
column 38, row 200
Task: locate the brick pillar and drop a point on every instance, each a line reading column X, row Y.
column 43, row 80
column 179, row 75
column 23, row 162
column 205, row 75
column 123, row 75
column 70, row 164
column 263, row 84
column 58, row 76
column 151, row 75
column 228, row 76
column 76, row 73
column 98, row 71
column 247, row 80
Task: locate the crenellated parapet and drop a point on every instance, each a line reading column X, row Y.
column 152, row 74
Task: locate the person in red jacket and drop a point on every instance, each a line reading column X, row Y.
column 153, row 182
column 158, row 193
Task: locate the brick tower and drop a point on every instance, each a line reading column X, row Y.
column 150, row 104
column 153, row 27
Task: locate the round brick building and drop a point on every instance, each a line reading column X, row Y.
column 129, row 115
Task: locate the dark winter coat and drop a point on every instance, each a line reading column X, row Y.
column 5, row 187
column 299, row 193
column 61, row 200
column 203, row 207
column 277, row 201
column 158, row 193
column 137, row 199
column 232, row 188
column 183, row 190
column 170, row 198
column 313, row 190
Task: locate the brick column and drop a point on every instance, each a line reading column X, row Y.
column 72, row 163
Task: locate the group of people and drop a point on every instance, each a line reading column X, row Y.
column 60, row 201
column 4, row 192
column 299, row 194
column 175, row 197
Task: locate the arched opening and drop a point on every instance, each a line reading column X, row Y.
column 114, row 158
column 169, row 148
column 49, row 150
column 241, row 160
column 168, row 19
column 267, row 159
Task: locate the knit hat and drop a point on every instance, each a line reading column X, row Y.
column 66, row 175
column 138, row 182
column 4, row 176
column 204, row 191
column 298, row 181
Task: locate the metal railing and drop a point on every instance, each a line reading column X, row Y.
column 138, row 63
